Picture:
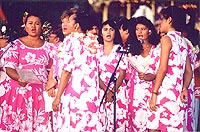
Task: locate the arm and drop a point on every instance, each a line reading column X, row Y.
column 147, row 76
column 109, row 92
column 186, row 80
column 65, row 76
column 166, row 46
column 51, row 82
column 12, row 73
column 120, row 78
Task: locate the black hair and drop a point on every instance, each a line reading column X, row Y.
column 122, row 22
column 93, row 21
column 134, row 44
column 154, row 38
column 117, row 38
column 83, row 19
column 36, row 14
column 178, row 17
column 58, row 32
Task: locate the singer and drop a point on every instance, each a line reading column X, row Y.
column 24, row 100
column 138, row 83
column 110, row 39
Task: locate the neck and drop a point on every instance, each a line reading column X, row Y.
column 33, row 38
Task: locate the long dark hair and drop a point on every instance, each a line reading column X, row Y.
column 153, row 38
column 117, row 38
column 134, row 45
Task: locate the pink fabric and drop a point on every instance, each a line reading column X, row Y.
column 106, row 67
column 79, row 102
column 190, row 108
column 23, row 107
column 139, row 94
column 170, row 111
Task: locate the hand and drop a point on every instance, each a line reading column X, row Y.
column 184, row 96
column 55, row 104
column 51, row 92
column 152, row 102
column 22, row 82
column 109, row 96
column 141, row 75
column 50, row 84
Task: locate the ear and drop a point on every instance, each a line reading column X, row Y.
column 76, row 26
column 169, row 20
column 150, row 32
column 57, row 39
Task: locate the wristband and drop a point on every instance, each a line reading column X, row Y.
column 156, row 93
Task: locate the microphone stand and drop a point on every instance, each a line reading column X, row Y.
column 113, row 79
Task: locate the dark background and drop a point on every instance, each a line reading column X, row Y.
column 50, row 10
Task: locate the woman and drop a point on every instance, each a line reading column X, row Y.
column 110, row 39
column 173, row 75
column 138, row 83
column 23, row 105
column 76, row 103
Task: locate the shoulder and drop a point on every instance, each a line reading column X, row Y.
column 166, row 42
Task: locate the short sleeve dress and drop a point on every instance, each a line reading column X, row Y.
column 23, row 107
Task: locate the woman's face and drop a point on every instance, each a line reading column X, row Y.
column 163, row 25
column 68, row 25
column 33, row 26
column 3, row 41
column 142, row 32
column 108, row 33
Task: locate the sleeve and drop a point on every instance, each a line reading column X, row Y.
column 12, row 55
column 71, row 55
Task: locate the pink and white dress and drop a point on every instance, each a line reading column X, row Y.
column 79, row 102
column 107, row 65
column 139, row 93
column 170, row 110
column 23, row 107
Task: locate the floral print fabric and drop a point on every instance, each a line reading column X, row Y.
column 107, row 65
column 79, row 103
column 23, row 107
column 139, row 94
column 170, row 110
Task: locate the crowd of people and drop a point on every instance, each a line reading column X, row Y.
column 122, row 75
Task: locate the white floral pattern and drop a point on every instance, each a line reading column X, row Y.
column 79, row 102
column 170, row 110
column 107, row 65
column 23, row 107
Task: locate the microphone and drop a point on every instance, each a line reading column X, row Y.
column 123, row 51
column 141, row 41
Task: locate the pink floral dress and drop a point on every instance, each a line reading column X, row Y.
column 189, row 121
column 106, row 67
column 170, row 110
column 139, row 93
column 79, row 102
column 4, row 78
column 23, row 107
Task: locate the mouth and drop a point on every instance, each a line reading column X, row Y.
column 140, row 37
column 108, row 36
column 33, row 30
